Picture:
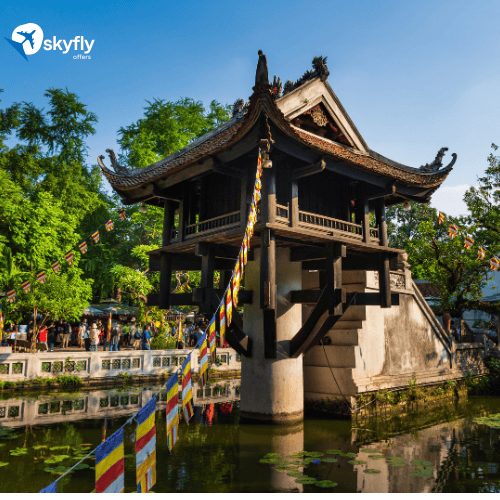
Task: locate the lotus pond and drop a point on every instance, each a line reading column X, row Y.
column 452, row 447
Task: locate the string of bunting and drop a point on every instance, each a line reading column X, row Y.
column 68, row 256
column 453, row 230
column 109, row 455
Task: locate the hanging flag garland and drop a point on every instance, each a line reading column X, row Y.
column 51, row 488
column 11, row 295
column 468, row 242
column 187, row 389
column 122, row 214
column 452, row 231
column 211, row 338
column 56, row 266
column 481, row 253
column 83, row 247
column 222, row 322
column 172, row 413
column 494, row 263
column 441, row 217
column 41, row 277
column 202, row 344
column 109, row 465
column 95, row 236
column 26, row 286
column 109, row 225
column 69, row 258
column 145, row 447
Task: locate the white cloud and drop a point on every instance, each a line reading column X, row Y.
column 449, row 199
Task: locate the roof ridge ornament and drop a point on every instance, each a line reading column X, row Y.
column 438, row 163
column 320, row 70
column 119, row 169
column 262, row 74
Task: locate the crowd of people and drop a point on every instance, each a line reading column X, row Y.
column 90, row 334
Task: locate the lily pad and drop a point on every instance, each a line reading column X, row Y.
column 60, row 458
column 3, row 464
column 294, row 473
column 491, row 421
column 376, row 457
column 268, row 460
column 60, row 470
column 330, row 460
column 396, row 463
column 54, row 448
column 326, row 484
column 82, row 466
column 424, row 463
column 372, row 471
column 369, row 450
column 281, row 468
column 356, row 462
column 18, row 451
column 315, row 454
column 334, row 452
column 272, row 455
column 40, row 446
column 350, row 455
column 423, row 472
column 306, row 480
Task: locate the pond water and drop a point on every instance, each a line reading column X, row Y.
column 215, row 453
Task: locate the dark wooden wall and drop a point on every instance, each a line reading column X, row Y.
column 220, row 194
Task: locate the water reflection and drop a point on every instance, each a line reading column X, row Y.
column 217, row 454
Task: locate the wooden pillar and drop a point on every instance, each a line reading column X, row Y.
column 384, row 281
column 333, row 275
column 498, row 329
column 268, row 200
column 168, row 222
column 165, row 281
column 365, row 220
column 268, row 290
column 183, row 214
column 207, row 278
column 293, row 206
column 381, row 221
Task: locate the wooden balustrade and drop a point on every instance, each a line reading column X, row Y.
column 225, row 222
column 374, row 232
column 328, row 224
column 282, row 214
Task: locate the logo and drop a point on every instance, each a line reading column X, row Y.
column 27, row 39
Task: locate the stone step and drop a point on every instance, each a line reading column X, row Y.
column 339, row 356
column 355, row 313
column 343, row 337
column 348, row 325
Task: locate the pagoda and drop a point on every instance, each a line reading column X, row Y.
column 322, row 216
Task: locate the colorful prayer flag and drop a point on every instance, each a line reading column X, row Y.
column 246, row 243
column 1, row 323
column 236, row 282
column 69, row 257
column 109, row 225
column 110, row 327
column 83, row 247
column 122, row 214
column 145, row 447
column 441, row 217
column 179, row 330
column 211, row 338
column 172, row 412
column 56, row 266
column 51, row 488
column 468, row 242
column 187, row 389
column 11, row 295
column 229, row 307
column 109, row 465
column 202, row 344
column 41, row 277
column 222, row 322
column 26, row 286
column 494, row 263
column 95, row 236
column 452, row 231
column 481, row 253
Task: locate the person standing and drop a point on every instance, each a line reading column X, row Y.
column 86, row 338
column 106, row 337
column 131, row 335
column 115, row 338
column 52, row 336
column 81, row 334
column 42, row 336
column 146, row 339
column 94, row 337
column 66, row 331
column 125, row 334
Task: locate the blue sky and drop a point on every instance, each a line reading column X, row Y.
column 413, row 76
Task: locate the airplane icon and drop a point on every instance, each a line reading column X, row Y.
column 27, row 37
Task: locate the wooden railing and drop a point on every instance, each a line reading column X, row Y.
column 328, row 224
column 374, row 232
column 225, row 222
column 282, row 214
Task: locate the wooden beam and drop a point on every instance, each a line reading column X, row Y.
column 298, row 241
column 267, row 270
column 380, row 193
column 303, row 337
column 334, row 254
column 222, row 251
column 293, row 213
column 380, row 216
column 369, row 299
column 270, row 342
column 365, row 221
column 183, row 212
column 305, row 296
column 313, row 168
column 168, row 222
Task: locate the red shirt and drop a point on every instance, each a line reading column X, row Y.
column 42, row 335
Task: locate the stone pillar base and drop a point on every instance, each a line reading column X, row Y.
column 272, row 418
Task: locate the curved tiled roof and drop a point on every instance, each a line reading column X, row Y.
column 263, row 102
